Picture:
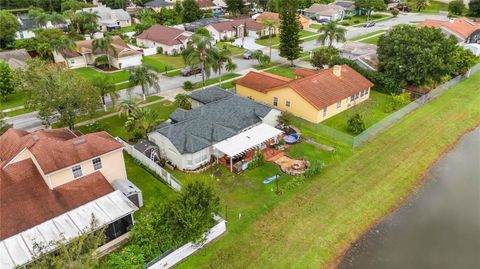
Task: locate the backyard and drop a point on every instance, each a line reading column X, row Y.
column 14, row 100
column 162, row 63
column 311, row 225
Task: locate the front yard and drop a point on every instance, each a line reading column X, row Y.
column 91, row 74
column 370, row 38
column 162, row 63
column 276, row 39
column 211, row 81
column 233, row 49
column 434, row 8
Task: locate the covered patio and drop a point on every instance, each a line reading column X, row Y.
column 244, row 144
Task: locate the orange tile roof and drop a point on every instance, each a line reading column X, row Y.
column 321, row 89
column 461, row 26
column 271, row 16
column 301, row 72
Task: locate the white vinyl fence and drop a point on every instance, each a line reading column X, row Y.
column 168, row 260
column 149, row 51
column 166, row 176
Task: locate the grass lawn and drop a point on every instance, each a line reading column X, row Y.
column 228, row 85
column 434, row 7
column 276, row 40
column 14, row 100
column 270, row 64
column 173, row 73
column 233, row 49
column 373, row 110
column 311, row 225
column 17, row 112
column 153, row 188
column 216, row 80
column 367, row 35
column 283, row 70
column 315, row 26
column 159, row 62
column 127, row 29
column 91, row 74
column 372, row 40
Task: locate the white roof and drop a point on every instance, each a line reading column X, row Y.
column 247, row 140
column 18, row 250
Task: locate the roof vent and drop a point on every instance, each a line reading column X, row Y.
column 35, row 138
column 79, row 141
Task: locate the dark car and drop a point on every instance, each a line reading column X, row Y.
column 248, row 54
column 369, row 24
column 191, row 70
column 323, row 21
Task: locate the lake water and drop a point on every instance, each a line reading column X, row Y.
column 438, row 227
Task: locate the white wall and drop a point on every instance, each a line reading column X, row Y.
column 272, row 117
column 217, row 36
column 24, row 34
column 167, row 49
column 133, row 60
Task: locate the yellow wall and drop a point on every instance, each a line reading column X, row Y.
column 298, row 106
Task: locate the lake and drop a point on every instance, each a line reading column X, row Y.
column 438, row 227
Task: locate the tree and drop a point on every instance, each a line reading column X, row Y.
column 191, row 11
column 456, row 7
column 183, row 101
column 122, row 4
column 290, row 31
column 421, row 4
column 235, row 6
column 285, row 118
column 144, row 119
column 40, row 17
column 8, row 28
column 270, row 26
column 200, row 52
column 49, row 40
column 128, row 105
column 262, row 59
column 331, row 31
column 395, row 12
column 104, row 45
column 431, row 50
column 463, row 59
column 105, row 87
column 371, row 5
column 356, row 125
column 7, row 85
column 474, row 7
column 83, row 23
column 145, row 77
column 263, row 4
column 323, row 56
column 222, row 59
column 73, row 5
column 56, row 92
column 3, row 125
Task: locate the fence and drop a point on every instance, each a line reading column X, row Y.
column 149, row 51
column 164, row 174
column 169, row 259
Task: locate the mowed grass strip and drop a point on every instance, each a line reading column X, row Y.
column 312, row 227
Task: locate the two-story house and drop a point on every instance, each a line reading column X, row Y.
column 54, row 184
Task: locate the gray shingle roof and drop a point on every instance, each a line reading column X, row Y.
column 196, row 129
column 158, row 3
column 211, row 95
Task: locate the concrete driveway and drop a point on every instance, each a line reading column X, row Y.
column 248, row 43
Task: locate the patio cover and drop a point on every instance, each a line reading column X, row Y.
column 247, row 140
column 18, row 250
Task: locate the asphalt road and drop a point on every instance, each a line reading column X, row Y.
column 30, row 121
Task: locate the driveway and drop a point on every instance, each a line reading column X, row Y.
column 248, row 43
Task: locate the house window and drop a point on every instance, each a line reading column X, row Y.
column 71, row 61
column 339, row 104
column 325, row 112
column 287, row 103
column 275, row 101
column 77, row 171
column 97, row 163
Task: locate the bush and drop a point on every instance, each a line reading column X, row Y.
column 101, row 60
column 187, row 85
column 376, row 16
column 258, row 161
column 159, row 50
column 356, row 125
column 285, row 118
column 395, row 12
column 315, row 168
column 129, row 257
column 266, row 36
column 356, row 21
column 345, row 23
column 323, row 56
column 94, row 127
column 397, row 101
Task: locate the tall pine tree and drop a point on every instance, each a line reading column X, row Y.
column 191, row 11
column 290, row 31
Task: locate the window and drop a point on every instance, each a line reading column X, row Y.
column 287, row 103
column 275, row 101
column 97, row 163
column 71, row 61
column 361, row 93
column 339, row 104
column 325, row 112
column 77, row 171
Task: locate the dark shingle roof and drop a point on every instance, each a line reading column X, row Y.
column 210, row 95
column 158, row 3
column 196, row 129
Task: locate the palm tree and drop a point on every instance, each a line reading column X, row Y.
column 105, row 87
column 144, row 119
column 128, row 105
column 183, row 101
column 104, row 44
column 332, row 32
column 145, row 77
column 222, row 58
column 270, row 26
column 200, row 52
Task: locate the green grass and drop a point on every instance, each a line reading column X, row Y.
column 315, row 26
column 13, row 100
column 276, row 39
column 154, row 190
column 216, row 80
column 434, row 8
column 270, row 64
column 159, row 62
column 233, row 49
column 127, row 29
column 310, row 226
column 173, row 73
column 367, row 35
column 372, row 40
column 372, row 110
column 91, row 74
column 17, row 112
column 228, row 85
column 284, row 71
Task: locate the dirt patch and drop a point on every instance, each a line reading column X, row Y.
column 291, row 166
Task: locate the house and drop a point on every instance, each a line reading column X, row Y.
column 365, row 55
column 120, row 55
column 464, row 29
column 236, row 29
column 313, row 96
column 349, row 7
column 321, row 11
column 188, row 139
column 171, row 40
column 26, row 27
column 15, row 58
column 211, row 5
column 54, row 184
column 157, row 5
column 109, row 19
column 202, row 23
column 275, row 17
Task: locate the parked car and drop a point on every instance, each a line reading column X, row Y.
column 247, row 55
column 402, row 8
column 369, row 24
column 323, row 21
column 191, row 70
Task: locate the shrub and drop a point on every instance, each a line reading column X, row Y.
column 397, row 101
column 94, row 127
column 258, row 161
column 395, row 12
column 323, row 56
column 137, row 134
column 345, row 23
column 159, row 50
column 356, row 21
column 315, row 168
column 129, row 257
column 187, row 85
column 285, row 118
column 376, row 16
column 356, row 125
column 101, row 60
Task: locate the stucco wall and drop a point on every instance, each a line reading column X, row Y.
column 166, row 48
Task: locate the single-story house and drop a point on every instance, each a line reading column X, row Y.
column 15, row 58
column 26, row 27
column 157, row 5
column 236, row 29
column 275, row 17
column 202, row 23
column 109, row 19
column 120, row 55
column 464, row 29
column 314, row 97
column 210, row 5
column 321, row 11
column 365, row 55
column 171, row 40
column 349, row 7
column 188, row 138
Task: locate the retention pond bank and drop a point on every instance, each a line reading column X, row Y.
column 438, row 227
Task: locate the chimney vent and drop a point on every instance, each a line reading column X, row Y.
column 337, row 70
